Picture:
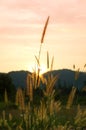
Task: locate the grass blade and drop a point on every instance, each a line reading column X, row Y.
column 52, row 62
column 47, row 60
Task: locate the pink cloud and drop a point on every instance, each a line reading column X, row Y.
column 16, row 15
column 60, row 11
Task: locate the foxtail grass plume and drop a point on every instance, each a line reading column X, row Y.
column 50, row 85
column 34, row 79
column 20, row 99
column 71, row 98
column 80, row 118
column 44, row 30
column 29, row 90
column 42, row 111
column 28, row 85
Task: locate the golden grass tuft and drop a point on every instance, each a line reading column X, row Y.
column 80, row 118
column 30, row 87
column 71, row 98
column 20, row 99
column 50, row 84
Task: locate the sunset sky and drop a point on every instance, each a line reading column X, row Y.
column 21, row 26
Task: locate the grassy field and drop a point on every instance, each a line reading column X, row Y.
column 42, row 112
column 52, row 117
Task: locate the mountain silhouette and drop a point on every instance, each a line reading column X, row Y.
column 19, row 78
column 65, row 76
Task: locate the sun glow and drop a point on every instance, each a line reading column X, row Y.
column 42, row 68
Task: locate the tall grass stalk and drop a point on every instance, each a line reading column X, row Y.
column 42, row 40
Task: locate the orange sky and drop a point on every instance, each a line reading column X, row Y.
column 21, row 25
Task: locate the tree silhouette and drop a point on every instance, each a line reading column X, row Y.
column 6, row 84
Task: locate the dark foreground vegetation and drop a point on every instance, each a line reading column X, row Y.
column 47, row 108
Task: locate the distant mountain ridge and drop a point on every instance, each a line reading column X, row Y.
column 19, row 78
column 65, row 76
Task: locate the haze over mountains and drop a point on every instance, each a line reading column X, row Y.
column 66, row 78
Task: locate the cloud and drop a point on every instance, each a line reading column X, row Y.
column 18, row 17
column 35, row 11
